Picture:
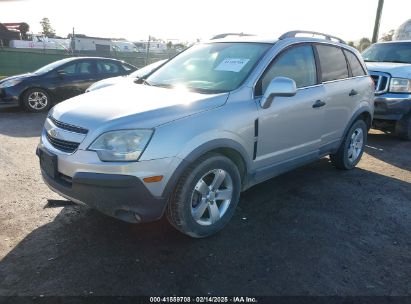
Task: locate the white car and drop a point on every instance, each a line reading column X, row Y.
column 140, row 73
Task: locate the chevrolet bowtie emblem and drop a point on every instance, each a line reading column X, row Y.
column 53, row 133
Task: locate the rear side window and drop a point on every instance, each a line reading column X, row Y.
column 107, row 67
column 126, row 67
column 297, row 63
column 356, row 67
column 333, row 63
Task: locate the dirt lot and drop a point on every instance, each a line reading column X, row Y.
column 313, row 231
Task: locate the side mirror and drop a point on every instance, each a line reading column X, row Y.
column 61, row 73
column 279, row 86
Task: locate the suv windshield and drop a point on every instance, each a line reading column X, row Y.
column 389, row 52
column 210, row 68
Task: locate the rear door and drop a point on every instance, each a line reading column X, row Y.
column 341, row 93
column 290, row 129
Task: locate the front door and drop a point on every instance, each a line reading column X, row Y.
column 290, row 129
column 77, row 77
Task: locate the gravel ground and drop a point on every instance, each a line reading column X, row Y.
column 312, row 231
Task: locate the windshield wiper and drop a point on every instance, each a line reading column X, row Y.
column 142, row 80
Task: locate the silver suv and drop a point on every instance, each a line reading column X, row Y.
column 217, row 119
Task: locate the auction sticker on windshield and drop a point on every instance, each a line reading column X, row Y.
column 232, row 64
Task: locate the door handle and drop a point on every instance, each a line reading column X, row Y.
column 353, row 93
column 318, row 104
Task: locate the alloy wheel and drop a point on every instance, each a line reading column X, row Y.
column 211, row 197
column 356, row 145
column 37, row 100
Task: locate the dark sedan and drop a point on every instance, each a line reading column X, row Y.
column 58, row 81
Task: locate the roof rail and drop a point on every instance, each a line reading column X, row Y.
column 293, row 34
column 220, row 36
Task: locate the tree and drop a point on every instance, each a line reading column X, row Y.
column 351, row 43
column 364, row 43
column 24, row 28
column 169, row 45
column 48, row 31
column 387, row 36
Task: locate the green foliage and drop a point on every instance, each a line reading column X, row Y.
column 48, row 31
column 364, row 43
column 387, row 36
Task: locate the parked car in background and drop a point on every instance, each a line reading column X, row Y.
column 140, row 73
column 215, row 120
column 389, row 64
column 57, row 81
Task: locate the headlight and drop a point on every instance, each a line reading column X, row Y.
column 400, row 85
column 123, row 145
column 10, row 83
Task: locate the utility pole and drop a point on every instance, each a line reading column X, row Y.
column 377, row 21
column 148, row 49
column 72, row 42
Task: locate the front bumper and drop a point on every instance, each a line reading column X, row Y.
column 392, row 106
column 117, row 190
column 9, row 96
column 121, row 196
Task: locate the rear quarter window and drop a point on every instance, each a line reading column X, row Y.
column 333, row 63
column 356, row 67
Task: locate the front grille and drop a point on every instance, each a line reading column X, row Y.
column 382, row 81
column 68, row 127
column 62, row 145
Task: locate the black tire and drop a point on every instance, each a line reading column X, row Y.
column 179, row 209
column 36, row 100
column 341, row 159
column 403, row 127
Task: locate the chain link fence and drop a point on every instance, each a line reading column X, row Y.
column 15, row 61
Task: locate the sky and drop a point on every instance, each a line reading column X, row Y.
column 187, row 20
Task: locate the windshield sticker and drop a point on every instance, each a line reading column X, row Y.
column 232, row 64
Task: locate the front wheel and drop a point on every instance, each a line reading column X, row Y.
column 205, row 197
column 352, row 147
column 403, row 127
column 36, row 100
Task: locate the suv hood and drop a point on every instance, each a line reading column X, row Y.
column 108, row 82
column 130, row 105
column 402, row 70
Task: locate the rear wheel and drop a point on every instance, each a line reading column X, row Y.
column 36, row 100
column 352, row 147
column 403, row 127
column 206, row 196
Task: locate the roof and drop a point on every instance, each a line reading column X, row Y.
column 252, row 39
column 257, row 39
column 393, row 41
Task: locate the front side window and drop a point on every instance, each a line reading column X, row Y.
column 84, row 67
column 356, row 67
column 298, row 63
column 78, row 68
column 210, row 67
column 333, row 63
column 70, row 69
